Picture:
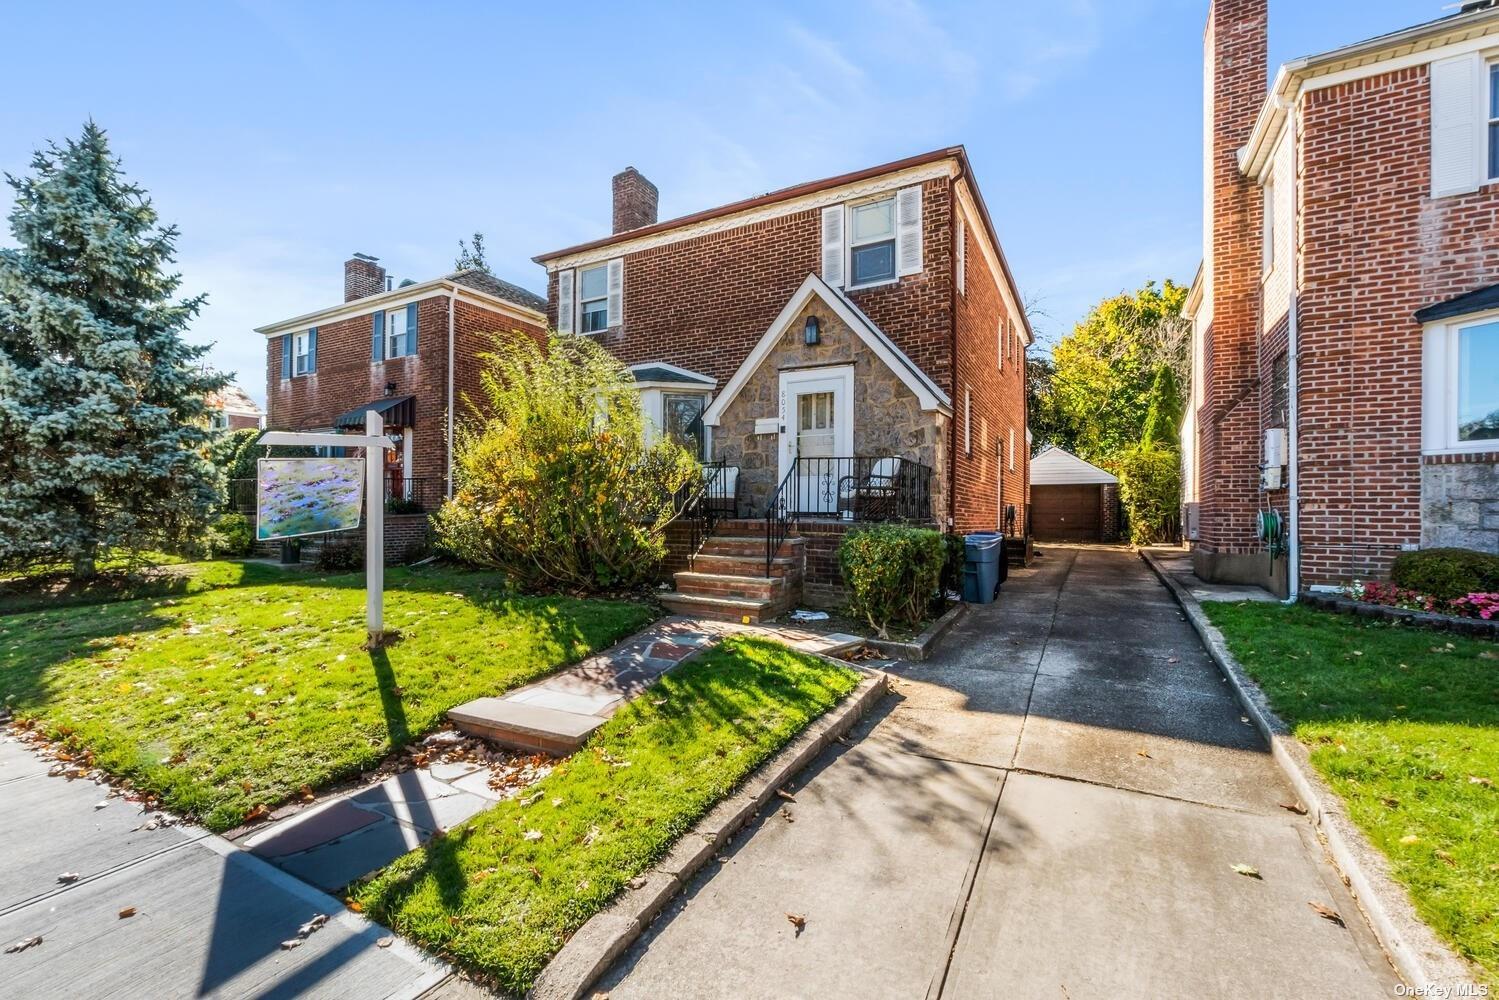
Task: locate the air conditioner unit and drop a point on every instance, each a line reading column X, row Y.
column 1190, row 521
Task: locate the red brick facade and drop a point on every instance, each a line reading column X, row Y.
column 704, row 302
column 1371, row 246
column 346, row 377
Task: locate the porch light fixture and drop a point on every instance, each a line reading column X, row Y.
column 812, row 332
column 390, row 388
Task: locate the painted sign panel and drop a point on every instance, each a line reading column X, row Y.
column 307, row 496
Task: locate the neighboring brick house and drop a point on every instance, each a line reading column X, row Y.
column 1346, row 319
column 854, row 347
column 231, row 409
column 409, row 352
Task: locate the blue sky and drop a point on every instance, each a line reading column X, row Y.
column 280, row 137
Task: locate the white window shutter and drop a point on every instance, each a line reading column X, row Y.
column 566, row 306
column 616, row 304
column 832, row 245
column 1002, row 343
column 908, row 230
column 1455, row 126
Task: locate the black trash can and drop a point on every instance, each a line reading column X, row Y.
column 983, row 557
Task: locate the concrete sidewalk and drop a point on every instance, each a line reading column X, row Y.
column 1052, row 807
column 209, row 919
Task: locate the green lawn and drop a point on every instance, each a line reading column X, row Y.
column 502, row 893
column 1404, row 724
column 153, row 574
column 234, row 698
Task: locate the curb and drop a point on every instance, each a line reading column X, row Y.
column 1413, row 948
column 604, row 937
column 921, row 647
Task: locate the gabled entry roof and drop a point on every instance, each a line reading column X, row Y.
column 927, row 392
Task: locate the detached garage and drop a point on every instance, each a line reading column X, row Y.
column 1071, row 500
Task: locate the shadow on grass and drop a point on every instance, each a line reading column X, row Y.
column 390, row 698
column 54, row 591
column 49, row 639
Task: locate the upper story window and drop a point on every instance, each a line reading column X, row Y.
column 593, row 299
column 398, row 339
column 1267, row 250
column 301, row 352
column 871, row 255
column 1493, row 129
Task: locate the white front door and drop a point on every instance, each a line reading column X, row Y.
column 817, row 435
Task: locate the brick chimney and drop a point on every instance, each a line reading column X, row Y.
column 634, row 200
column 363, row 276
column 1236, row 56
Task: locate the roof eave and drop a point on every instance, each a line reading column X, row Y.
column 356, row 307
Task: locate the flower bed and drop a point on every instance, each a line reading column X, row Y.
column 1476, row 614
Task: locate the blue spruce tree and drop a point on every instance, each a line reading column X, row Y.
column 102, row 408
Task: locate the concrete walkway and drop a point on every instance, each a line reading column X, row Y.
column 1051, row 807
column 208, row 918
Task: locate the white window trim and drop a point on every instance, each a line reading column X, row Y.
column 849, row 243
column 962, row 253
column 390, row 335
column 1439, row 375
column 1489, row 115
column 1012, row 449
column 579, row 301
column 301, row 353
column 1267, row 229
column 1004, row 343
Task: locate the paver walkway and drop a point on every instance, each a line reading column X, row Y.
column 1051, row 807
column 209, row 919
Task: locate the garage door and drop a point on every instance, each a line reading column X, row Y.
column 1066, row 513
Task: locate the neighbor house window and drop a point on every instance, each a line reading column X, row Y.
column 397, row 337
column 1267, row 251
column 968, row 421
column 1004, row 343
column 1494, row 121
column 1478, row 382
column 593, row 299
column 301, row 352
column 1012, row 449
column 871, row 257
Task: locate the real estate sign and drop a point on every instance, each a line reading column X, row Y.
column 307, row 496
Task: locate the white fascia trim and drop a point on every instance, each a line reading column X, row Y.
column 1194, row 294
column 926, row 391
column 818, row 199
column 400, row 297
column 991, row 256
column 1297, row 78
column 708, row 381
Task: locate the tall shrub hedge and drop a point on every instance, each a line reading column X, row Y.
column 1150, row 490
column 892, row 573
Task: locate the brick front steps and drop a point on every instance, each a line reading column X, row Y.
column 727, row 577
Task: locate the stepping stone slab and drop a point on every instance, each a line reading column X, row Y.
column 530, row 727
column 593, row 703
column 333, row 866
column 451, row 772
column 311, row 828
column 408, row 786
column 435, row 814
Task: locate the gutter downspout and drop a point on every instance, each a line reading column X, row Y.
column 1293, row 365
column 952, row 316
column 452, row 299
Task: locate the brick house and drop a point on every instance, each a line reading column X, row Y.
column 409, row 352
column 847, row 349
column 1346, row 318
column 231, row 409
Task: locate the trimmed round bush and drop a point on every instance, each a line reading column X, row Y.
column 892, row 573
column 232, row 535
column 1447, row 574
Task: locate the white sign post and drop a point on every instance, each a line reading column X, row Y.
column 374, row 442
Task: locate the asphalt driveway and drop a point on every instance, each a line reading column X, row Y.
column 1051, row 807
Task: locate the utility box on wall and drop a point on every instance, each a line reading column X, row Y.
column 1274, row 459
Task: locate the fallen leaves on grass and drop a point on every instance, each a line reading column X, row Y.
column 1248, row 871
column 532, row 835
column 1409, row 839
column 23, row 944
column 1474, row 779
column 257, row 814
column 786, row 815
column 1326, row 912
column 385, row 942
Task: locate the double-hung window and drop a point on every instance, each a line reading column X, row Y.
column 1493, row 127
column 1478, row 382
column 301, row 352
column 593, row 299
column 397, row 337
column 1267, row 231
column 871, row 254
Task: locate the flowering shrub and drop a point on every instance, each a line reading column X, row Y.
column 1485, row 606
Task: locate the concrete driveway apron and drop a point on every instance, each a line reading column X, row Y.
column 1050, row 807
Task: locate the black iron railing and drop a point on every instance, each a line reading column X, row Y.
column 874, row 488
column 702, row 505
